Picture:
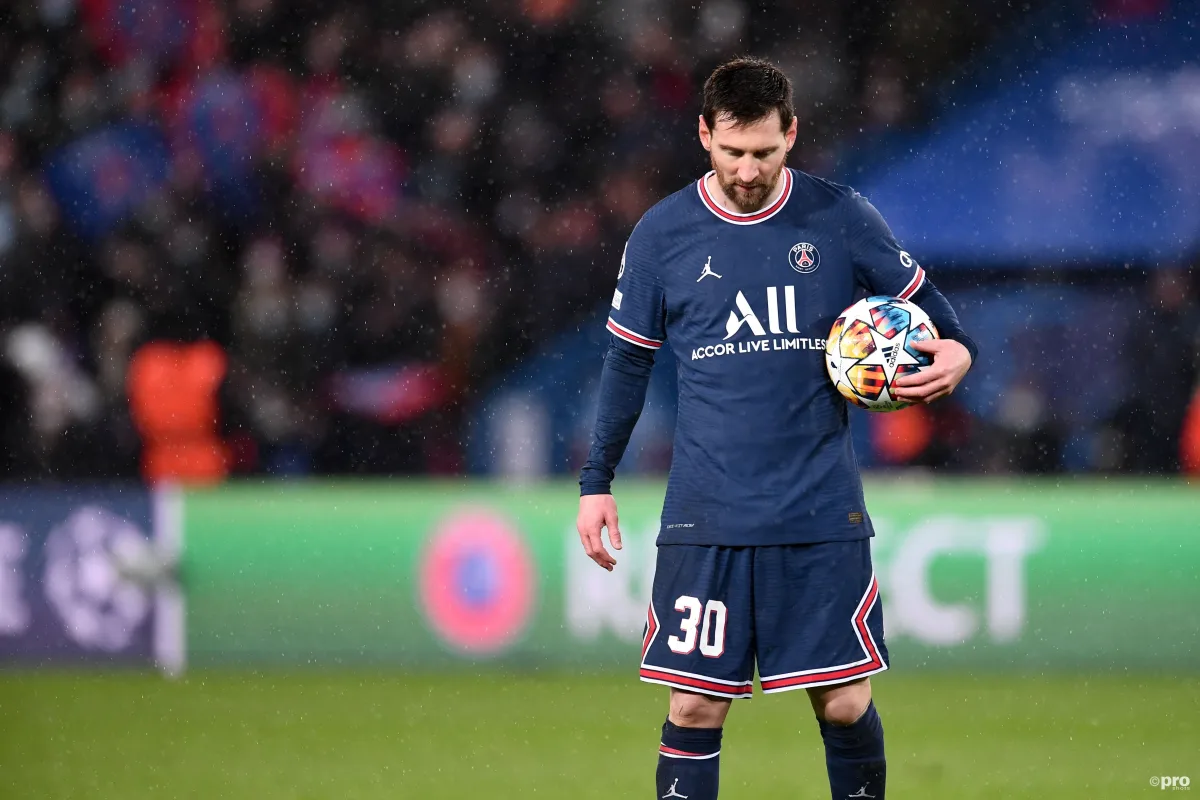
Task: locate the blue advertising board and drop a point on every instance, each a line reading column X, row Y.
column 81, row 577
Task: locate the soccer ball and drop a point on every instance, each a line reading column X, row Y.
column 870, row 345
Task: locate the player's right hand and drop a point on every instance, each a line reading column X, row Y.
column 598, row 511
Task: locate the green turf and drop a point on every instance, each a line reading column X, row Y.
column 363, row 736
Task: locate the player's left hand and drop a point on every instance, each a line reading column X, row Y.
column 951, row 360
column 598, row 512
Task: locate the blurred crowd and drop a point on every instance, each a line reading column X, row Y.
column 1101, row 373
column 370, row 209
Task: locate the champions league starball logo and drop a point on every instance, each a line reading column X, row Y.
column 477, row 583
column 100, row 606
column 804, row 258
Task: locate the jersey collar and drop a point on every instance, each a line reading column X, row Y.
column 753, row 217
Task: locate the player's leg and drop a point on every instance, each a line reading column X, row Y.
column 853, row 737
column 690, row 748
column 699, row 641
column 819, row 624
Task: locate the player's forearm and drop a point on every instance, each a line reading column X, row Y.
column 623, row 382
column 935, row 304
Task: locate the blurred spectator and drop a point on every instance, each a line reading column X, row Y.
column 1164, row 363
column 1189, row 449
column 16, row 447
column 173, row 390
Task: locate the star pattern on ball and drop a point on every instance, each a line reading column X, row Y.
column 889, row 354
column 839, row 366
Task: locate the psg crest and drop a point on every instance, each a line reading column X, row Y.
column 804, row 258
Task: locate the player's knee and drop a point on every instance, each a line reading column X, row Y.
column 845, row 710
column 843, row 705
column 697, row 710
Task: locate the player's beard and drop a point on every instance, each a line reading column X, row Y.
column 747, row 197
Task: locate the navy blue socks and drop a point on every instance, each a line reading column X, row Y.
column 688, row 762
column 854, row 757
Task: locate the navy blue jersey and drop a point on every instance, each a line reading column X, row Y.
column 762, row 452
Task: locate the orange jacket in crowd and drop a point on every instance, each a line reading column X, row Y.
column 1189, row 446
column 173, row 398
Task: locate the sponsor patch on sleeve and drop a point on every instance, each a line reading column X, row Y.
column 617, row 299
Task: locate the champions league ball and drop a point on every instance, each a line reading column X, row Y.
column 870, row 345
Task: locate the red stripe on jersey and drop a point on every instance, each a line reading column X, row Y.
column 758, row 216
column 651, row 629
column 662, row 748
column 630, row 336
column 695, row 683
column 917, row 281
column 861, row 622
column 822, row 677
column 875, row 662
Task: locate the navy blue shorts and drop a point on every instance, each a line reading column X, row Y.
column 808, row 614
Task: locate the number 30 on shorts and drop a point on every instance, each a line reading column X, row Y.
column 711, row 631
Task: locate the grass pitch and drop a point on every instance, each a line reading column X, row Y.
column 360, row 736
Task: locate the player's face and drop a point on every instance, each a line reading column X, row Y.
column 748, row 159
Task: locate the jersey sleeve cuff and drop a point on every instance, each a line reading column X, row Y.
column 595, row 479
column 617, row 329
column 969, row 343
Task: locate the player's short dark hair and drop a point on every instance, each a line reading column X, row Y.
column 747, row 90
